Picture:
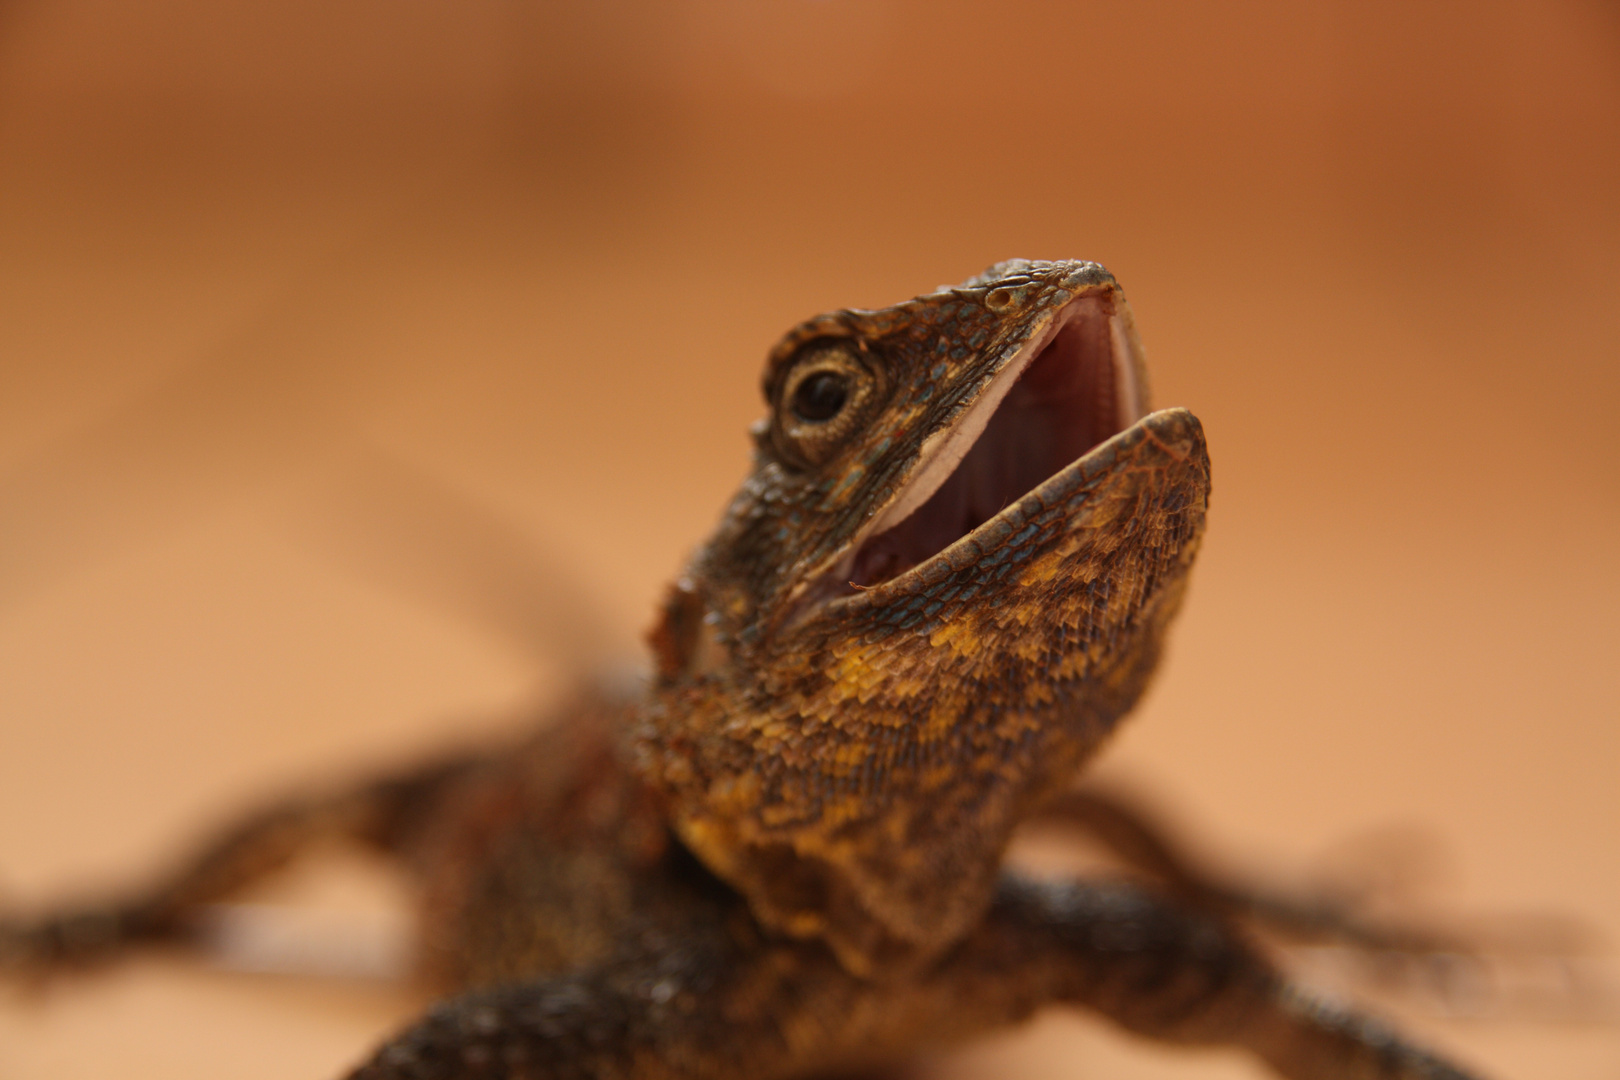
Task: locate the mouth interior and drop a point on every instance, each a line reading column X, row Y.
column 1074, row 394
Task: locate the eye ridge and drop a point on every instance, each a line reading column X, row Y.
column 821, row 396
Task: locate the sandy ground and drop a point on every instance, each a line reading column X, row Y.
column 344, row 358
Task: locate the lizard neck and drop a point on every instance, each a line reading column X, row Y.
column 858, row 780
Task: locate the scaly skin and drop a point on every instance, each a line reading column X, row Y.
column 786, row 857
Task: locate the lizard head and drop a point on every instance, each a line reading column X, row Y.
column 946, row 578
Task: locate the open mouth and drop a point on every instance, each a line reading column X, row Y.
column 1069, row 390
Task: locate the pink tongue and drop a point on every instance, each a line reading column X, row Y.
column 1061, row 406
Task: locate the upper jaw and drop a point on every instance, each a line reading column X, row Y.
column 1075, row 383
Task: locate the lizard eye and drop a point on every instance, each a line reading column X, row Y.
column 820, row 395
column 823, row 399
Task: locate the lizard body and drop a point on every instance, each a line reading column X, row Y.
column 947, row 577
column 854, row 760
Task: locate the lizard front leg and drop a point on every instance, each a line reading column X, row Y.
column 1132, row 835
column 657, row 1021
column 1178, row 974
column 1461, row 964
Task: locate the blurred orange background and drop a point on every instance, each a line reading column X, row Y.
column 350, row 355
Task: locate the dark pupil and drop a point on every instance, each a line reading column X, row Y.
column 820, row 396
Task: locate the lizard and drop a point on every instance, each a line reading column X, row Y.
column 946, row 579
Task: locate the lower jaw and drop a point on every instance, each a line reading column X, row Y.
column 1176, row 430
